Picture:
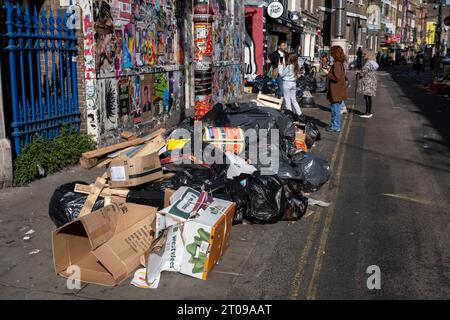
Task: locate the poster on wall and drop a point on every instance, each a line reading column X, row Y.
column 108, row 104
column 104, row 38
column 161, row 97
column 146, row 84
column 123, row 86
column 373, row 18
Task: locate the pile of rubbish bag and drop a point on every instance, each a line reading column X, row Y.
column 263, row 172
column 261, row 198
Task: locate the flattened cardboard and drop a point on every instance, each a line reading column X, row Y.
column 105, row 244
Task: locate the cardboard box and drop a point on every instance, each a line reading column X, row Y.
column 128, row 172
column 206, row 235
column 105, row 244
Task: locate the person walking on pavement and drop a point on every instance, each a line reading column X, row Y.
column 289, row 73
column 275, row 59
column 337, row 91
column 419, row 63
column 367, row 84
column 359, row 56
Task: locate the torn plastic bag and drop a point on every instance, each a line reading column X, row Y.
column 267, row 200
column 296, row 203
column 250, row 116
column 65, row 204
column 312, row 170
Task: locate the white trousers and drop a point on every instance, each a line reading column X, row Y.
column 290, row 96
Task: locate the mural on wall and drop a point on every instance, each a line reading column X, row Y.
column 134, row 49
column 131, row 64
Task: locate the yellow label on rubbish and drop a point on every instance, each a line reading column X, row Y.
column 176, row 143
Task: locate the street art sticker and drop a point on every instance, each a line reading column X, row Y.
column 161, row 97
column 128, row 46
column 125, row 9
column 203, row 41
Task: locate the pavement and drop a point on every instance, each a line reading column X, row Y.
column 390, row 191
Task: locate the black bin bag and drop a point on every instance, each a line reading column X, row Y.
column 267, row 201
column 65, row 204
column 296, row 203
column 312, row 170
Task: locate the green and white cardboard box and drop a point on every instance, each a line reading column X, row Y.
column 196, row 232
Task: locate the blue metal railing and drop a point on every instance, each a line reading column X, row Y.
column 41, row 53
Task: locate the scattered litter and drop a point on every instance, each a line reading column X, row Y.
column 26, row 238
column 313, row 202
column 31, row 231
column 140, row 280
column 35, row 251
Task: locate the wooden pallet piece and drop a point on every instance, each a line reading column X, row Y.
column 127, row 135
column 92, row 197
column 87, row 189
column 269, row 101
column 105, row 150
column 150, row 147
column 88, row 163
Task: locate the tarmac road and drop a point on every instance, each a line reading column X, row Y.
column 390, row 191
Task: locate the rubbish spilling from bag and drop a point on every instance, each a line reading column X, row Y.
column 168, row 200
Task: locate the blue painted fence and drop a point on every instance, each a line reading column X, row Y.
column 41, row 54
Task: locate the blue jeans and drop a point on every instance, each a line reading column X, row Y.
column 336, row 116
column 280, row 86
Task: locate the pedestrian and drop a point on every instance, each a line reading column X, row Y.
column 367, row 84
column 359, row 55
column 290, row 72
column 275, row 59
column 337, row 91
column 324, row 62
column 419, row 63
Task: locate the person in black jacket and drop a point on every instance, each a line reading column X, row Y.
column 275, row 59
column 359, row 55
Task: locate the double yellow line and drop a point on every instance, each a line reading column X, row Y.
column 339, row 149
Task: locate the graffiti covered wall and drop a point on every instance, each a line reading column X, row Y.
column 133, row 65
column 228, row 37
column 135, row 54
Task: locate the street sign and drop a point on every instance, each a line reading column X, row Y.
column 275, row 9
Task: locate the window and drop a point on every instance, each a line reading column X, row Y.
column 311, row 6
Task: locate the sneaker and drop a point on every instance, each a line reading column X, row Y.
column 332, row 130
column 344, row 110
column 369, row 116
column 364, row 116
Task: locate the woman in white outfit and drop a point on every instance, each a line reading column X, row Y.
column 290, row 74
